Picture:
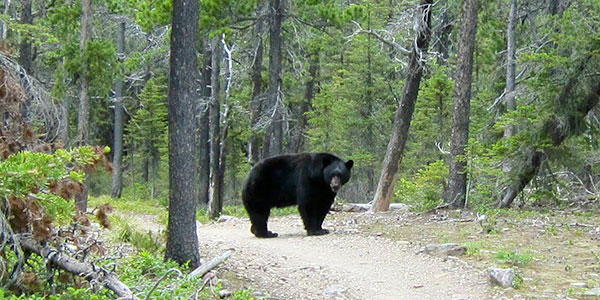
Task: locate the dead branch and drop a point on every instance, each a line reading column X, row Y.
column 78, row 268
column 203, row 269
column 173, row 270
column 576, row 224
column 391, row 43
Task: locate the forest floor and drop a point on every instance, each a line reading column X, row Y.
column 376, row 256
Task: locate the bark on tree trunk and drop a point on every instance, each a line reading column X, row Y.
column 568, row 111
column 182, row 240
column 83, row 119
column 299, row 139
column 256, row 105
column 117, row 184
column 367, row 111
column 25, row 55
column 146, row 163
column 274, row 134
column 204, row 130
column 457, row 186
column 215, row 202
column 63, row 130
column 4, row 27
column 403, row 115
column 225, row 129
column 509, row 92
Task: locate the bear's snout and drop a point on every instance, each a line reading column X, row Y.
column 336, row 184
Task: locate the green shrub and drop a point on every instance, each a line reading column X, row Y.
column 425, row 191
column 142, row 271
column 243, row 295
column 69, row 294
column 27, row 173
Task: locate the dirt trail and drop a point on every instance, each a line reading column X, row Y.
column 345, row 264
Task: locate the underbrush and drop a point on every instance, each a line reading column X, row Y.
column 142, row 268
column 135, row 254
column 145, row 273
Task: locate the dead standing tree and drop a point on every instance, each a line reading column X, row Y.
column 404, row 112
column 117, row 180
column 214, row 191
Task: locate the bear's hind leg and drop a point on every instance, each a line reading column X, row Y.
column 259, row 224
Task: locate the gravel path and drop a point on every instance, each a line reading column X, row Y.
column 345, row 264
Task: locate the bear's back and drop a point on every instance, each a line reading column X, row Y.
column 273, row 181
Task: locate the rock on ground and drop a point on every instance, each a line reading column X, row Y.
column 503, row 277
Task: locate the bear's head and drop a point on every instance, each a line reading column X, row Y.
column 337, row 173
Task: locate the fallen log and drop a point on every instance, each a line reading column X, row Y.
column 363, row 207
column 73, row 266
column 204, row 268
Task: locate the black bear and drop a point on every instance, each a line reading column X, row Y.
column 309, row 180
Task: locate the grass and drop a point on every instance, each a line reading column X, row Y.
column 157, row 208
column 126, row 232
column 474, row 247
column 148, row 206
column 514, row 258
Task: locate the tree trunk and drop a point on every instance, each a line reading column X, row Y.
column 403, row 115
column 457, row 186
column 83, row 119
column 146, row 162
column 182, row 240
column 569, row 111
column 25, row 55
column 367, row 110
column 225, row 129
column 204, row 130
column 272, row 144
column 63, row 130
column 117, row 184
column 445, row 29
column 299, row 139
column 256, row 105
column 4, row 26
column 509, row 91
column 215, row 203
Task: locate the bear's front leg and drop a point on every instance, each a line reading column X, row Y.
column 313, row 219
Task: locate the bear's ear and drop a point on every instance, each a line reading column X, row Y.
column 349, row 164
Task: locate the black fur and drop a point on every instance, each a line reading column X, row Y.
column 309, row 180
